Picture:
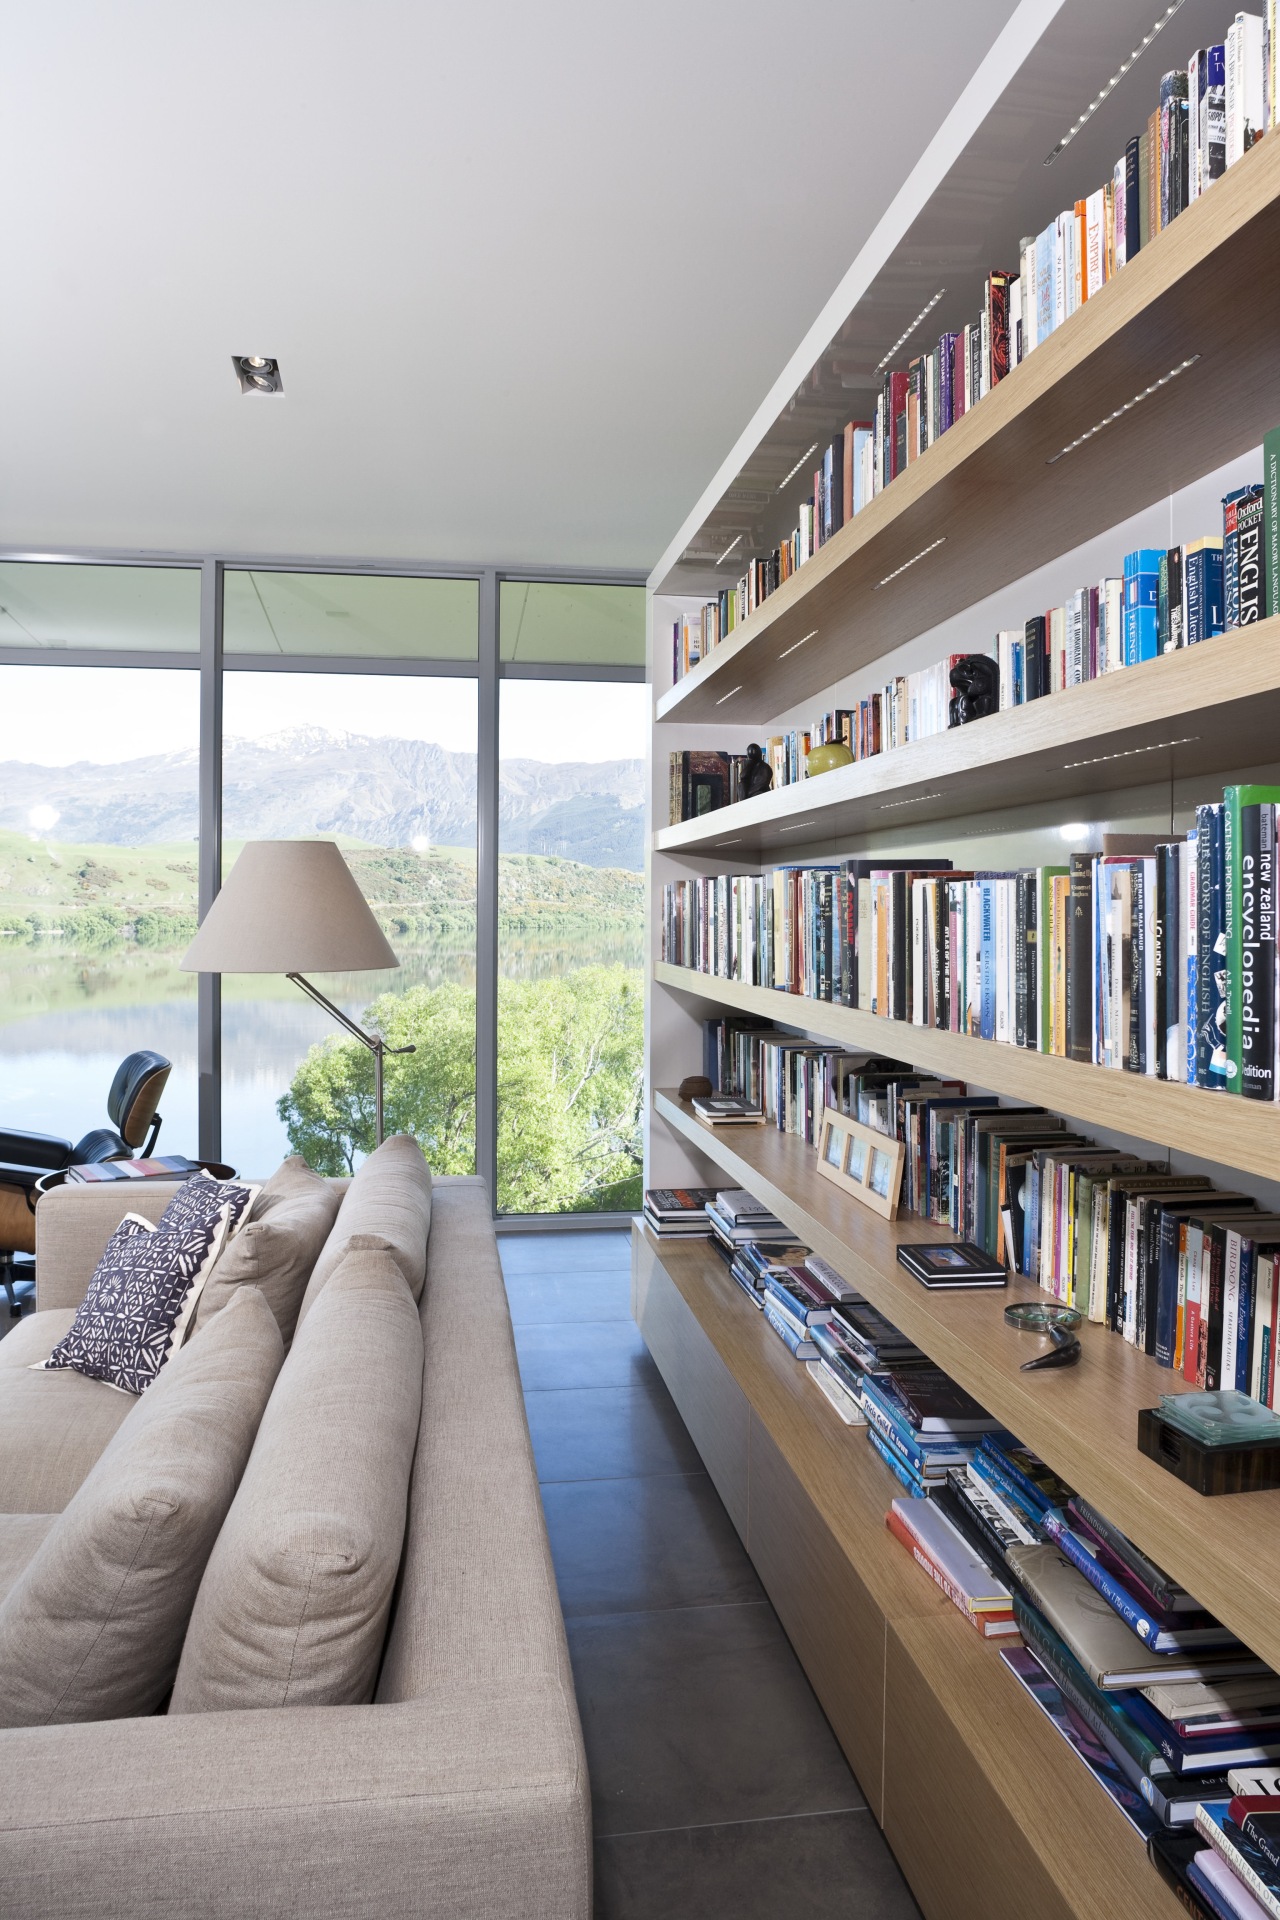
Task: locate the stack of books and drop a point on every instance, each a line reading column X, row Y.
column 161, row 1166
column 1164, row 1690
column 1239, row 1871
column 736, row 1217
column 922, row 1424
column 968, row 1582
column 678, row 1213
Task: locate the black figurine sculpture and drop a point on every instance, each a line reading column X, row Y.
column 976, row 679
column 758, row 774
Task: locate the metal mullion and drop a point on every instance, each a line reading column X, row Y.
column 566, row 670
column 346, row 663
column 209, row 859
column 95, row 657
column 487, row 890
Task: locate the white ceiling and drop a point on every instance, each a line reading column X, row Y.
column 528, row 269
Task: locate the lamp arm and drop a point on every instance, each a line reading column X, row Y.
column 374, row 1041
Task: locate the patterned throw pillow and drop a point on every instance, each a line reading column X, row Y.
column 202, row 1198
column 140, row 1300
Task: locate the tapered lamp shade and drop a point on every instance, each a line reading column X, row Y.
column 289, row 906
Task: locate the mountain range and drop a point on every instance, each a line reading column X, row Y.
column 309, row 781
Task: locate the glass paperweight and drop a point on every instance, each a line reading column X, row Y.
column 1223, row 1419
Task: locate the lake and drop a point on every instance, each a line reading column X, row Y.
column 67, row 1019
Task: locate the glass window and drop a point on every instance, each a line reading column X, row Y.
column 570, row 945
column 98, row 891
column 381, row 616
column 546, row 623
column 50, row 604
column 386, row 766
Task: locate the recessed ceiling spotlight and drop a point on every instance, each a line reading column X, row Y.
column 257, row 374
column 1114, row 81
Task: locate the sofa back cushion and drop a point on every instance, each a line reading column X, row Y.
column 276, row 1250
column 390, row 1196
column 293, row 1608
column 93, row 1626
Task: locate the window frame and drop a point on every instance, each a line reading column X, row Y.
column 212, row 665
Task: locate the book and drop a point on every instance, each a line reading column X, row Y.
column 1172, row 1854
column 951, row 1266
column 1028, row 1671
column 164, row 1166
column 1154, row 1632
column 727, row 1110
column 836, row 1392
column 1250, row 1866
column 1109, row 1652
column 946, row 1556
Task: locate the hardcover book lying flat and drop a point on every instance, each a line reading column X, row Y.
column 949, row 1264
column 1108, row 1651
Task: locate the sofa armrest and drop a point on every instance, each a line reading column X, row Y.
column 74, row 1223
column 463, row 1803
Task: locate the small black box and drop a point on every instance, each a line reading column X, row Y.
column 1208, row 1469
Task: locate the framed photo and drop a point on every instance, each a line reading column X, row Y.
column 865, row 1163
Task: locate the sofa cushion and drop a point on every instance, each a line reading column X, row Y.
column 92, row 1627
column 20, row 1536
column 53, row 1426
column 277, row 1248
column 35, row 1337
column 390, row 1195
column 292, row 1610
column 134, row 1316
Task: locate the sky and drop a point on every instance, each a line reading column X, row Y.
column 56, row 715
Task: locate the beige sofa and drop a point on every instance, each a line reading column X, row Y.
column 460, row 1789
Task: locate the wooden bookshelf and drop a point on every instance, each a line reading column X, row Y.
column 1221, row 1127
column 990, row 501
column 1082, row 1420
column 1204, row 710
column 911, row 1690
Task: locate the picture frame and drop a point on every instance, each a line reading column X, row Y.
column 863, row 1162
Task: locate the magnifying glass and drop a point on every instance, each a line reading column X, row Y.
column 1059, row 1323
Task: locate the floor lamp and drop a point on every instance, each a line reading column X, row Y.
column 293, row 907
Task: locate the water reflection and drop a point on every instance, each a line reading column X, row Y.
column 67, row 1020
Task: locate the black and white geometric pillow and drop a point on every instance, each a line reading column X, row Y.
column 140, row 1300
column 202, row 1198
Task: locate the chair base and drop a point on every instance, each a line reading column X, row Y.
column 14, row 1275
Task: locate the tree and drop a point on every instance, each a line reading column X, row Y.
column 569, row 1089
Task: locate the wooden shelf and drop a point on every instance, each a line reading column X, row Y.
column 891, row 1659
column 1083, row 1421
column 1222, row 1127
column 990, row 501
column 1207, row 709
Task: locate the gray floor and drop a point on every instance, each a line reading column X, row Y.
column 718, row 1787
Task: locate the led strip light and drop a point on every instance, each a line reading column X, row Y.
column 1114, row 81
column 735, row 542
column 799, row 643
column 1130, row 753
column 1129, row 405
column 909, row 563
column 728, row 696
column 799, row 463
column 887, row 806
column 903, row 339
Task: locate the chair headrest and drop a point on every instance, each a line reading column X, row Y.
column 135, row 1094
